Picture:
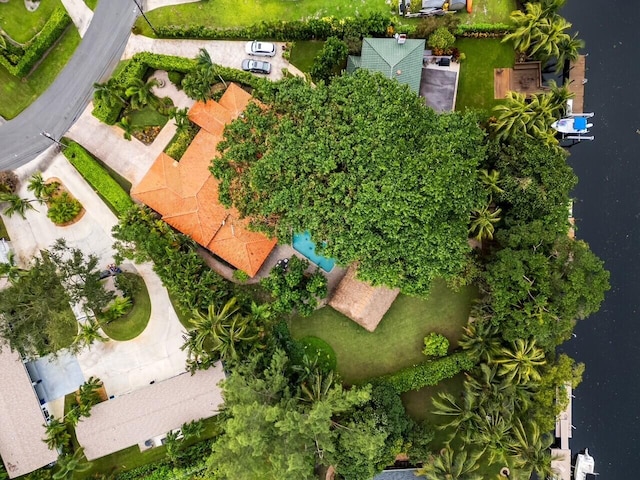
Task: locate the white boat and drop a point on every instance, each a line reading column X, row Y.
column 585, row 464
column 574, row 126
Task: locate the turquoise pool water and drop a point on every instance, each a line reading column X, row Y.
column 303, row 244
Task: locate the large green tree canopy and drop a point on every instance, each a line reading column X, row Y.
column 363, row 165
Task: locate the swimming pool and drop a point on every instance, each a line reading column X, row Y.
column 302, row 243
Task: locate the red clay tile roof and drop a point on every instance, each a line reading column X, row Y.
column 186, row 194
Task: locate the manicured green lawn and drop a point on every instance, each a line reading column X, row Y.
column 398, row 340
column 16, row 95
column 20, row 23
column 303, row 53
column 489, row 11
column 133, row 323
column 418, row 402
column 147, row 117
column 91, row 4
column 183, row 316
column 475, row 86
column 238, row 13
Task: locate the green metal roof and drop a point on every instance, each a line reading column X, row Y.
column 400, row 61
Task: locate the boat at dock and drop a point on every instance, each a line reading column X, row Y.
column 585, row 465
column 574, row 126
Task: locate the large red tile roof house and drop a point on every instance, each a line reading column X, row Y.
column 186, row 194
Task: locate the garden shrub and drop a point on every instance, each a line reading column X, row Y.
column 292, row 289
column 428, row 373
column 317, row 349
column 38, row 45
column 483, row 30
column 442, row 39
column 435, row 345
column 374, row 24
column 63, row 208
column 330, row 59
column 98, row 177
column 181, row 141
column 137, row 68
column 176, row 78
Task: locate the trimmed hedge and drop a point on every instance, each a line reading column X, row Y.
column 483, row 30
column 39, row 44
column 181, row 141
column 427, row 374
column 137, row 68
column 375, row 24
column 98, row 177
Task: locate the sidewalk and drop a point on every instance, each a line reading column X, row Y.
column 80, row 14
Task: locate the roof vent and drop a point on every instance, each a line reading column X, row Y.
column 401, row 38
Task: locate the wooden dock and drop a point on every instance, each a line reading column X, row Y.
column 577, row 80
column 562, row 463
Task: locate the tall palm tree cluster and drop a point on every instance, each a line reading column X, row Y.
column 487, row 419
column 541, row 33
column 224, row 332
column 197, row 84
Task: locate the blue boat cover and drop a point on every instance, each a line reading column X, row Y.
column 580, row 123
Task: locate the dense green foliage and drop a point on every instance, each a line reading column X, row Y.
column 294, row 290
column 63, row 208
column 428, row 373
column 136, row 69
column 35, row 313
column 141, row 236
column 374, row 24
column 330, row 60
column 32, row 53
column 98, row 177
column 181, row 141
column 535, row 183
column 435, row 345
column 330, row 160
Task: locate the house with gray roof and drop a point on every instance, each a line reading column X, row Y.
column 144, row 417
column 21, row 419
column 398, row 58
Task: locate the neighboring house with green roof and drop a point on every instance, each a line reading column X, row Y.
column 398, row 58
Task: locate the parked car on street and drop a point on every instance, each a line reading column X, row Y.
column 256, row 66
column 260, row 49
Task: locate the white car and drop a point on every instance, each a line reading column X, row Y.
column 260, row 49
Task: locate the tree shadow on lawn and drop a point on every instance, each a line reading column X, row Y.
column 399, row 339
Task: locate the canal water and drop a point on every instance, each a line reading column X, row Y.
column 606, row 408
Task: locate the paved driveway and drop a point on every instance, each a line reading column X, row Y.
column 222, row 52
column 154, row 355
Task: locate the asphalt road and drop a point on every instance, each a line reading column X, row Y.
column 63, row 102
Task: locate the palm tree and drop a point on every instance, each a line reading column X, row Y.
column 68, row 465
column 491, row 180
column 483, row 223
column 520, row 361
column 16, row 204
column 89, row 333
column 521, row 116
column 140, row 94
column 451, row 466
column 530, row 448
column 39, row 187
column 108, row 93
column 192, row 429
column 181, row 118
column 205, row 326
column 88, row 395
column 205, row 64
column 11, row 270
column 526, row 26
column 125, row 124
column 57, row 434
column 558, row 96
column 318, row 387
column 480, row 339
column 197, row 85
column 569, row 50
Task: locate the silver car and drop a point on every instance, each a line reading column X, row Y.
column 256, row 66
column 260, row 49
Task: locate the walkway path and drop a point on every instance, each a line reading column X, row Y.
column 122, row 366
column 80, row 14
